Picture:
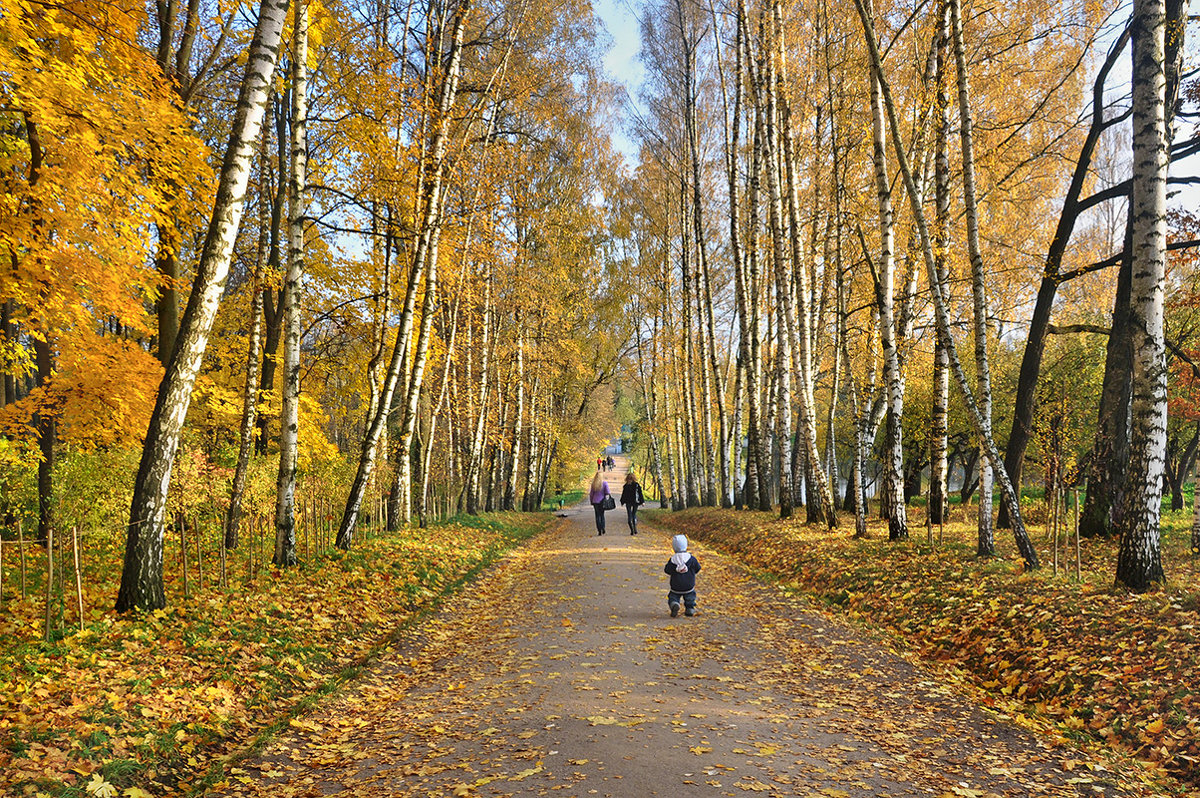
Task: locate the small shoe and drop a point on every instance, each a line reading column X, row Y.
column 690, row 611
column 674, row 610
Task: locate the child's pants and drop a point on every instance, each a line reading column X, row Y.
column 689, row 599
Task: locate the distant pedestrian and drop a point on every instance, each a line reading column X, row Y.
column 599, row 464
column 682, row 567
column 599, row 496
column 632, row 498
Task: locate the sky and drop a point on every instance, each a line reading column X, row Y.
column 621, row 62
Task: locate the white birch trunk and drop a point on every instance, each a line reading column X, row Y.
column 941, row 312
column 1139, row 562
column 986, row 546
column 893, row 482
column 289, row 416
column 141, row 577
column 784, row 297
column 233, row 514
column 938, row 461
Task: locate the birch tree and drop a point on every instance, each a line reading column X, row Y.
column 289, row 418
column 986, row 546
column 426, row 245
column 1011, row 499
column 884, row 278
column 1139, row 562
column 141, row 577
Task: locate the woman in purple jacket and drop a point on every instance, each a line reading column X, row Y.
column 597, row 495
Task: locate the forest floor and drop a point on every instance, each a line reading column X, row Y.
column 560, row 672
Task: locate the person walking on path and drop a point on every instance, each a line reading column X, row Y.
column 598, row 495
column 632, row 498
column 682, row 568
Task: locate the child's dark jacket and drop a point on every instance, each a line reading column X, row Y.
column 683, row 582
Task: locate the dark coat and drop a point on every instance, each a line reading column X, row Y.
column 683, row 582
column 631, row 494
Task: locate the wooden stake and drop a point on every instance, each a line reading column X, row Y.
column 184, row 548
column 1079, row 559
column 253, row 543
column 224, row 580
column 78, row 574
column 49, row 576
column 248, row 547
column 21, row 550
column 1054, row 525
column 199, row 558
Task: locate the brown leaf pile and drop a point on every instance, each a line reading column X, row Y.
column 1103, row 664
column 151, row 701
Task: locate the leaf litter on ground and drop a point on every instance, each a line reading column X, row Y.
column 1098, row 663
column 143, row 704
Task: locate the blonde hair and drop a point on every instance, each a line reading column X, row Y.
column 597, row 482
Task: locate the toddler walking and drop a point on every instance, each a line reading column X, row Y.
column 682, row 568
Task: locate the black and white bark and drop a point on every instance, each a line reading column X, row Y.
column 986, row 545
column 233, row 514
column 142, row 577
column 884, row 278
column 1139, row 561
column 939, row 424
column 942, row 316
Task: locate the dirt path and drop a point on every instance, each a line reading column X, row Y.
column 560, row 673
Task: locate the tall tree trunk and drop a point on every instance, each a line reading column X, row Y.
column 986, row 546
column 428, row 232
column 1028, row 553
column 939, row 487
column 233, row 514
column 1110, row 447
column 893, row 501
column 819, row 505
column 757, row 441
column 289, row 414
column 784, row 297
column 1139, row 561
column 141, row 577
column 273, row 298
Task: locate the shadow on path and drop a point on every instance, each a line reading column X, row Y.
column 560, row 673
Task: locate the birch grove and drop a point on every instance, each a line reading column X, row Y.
column 889, row 259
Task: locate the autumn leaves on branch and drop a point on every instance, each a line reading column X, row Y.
column 415, row 266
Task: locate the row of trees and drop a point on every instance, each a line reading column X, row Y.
column 408, row 250
column 385, row 213
column 836, row 204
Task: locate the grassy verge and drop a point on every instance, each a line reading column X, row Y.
column 568, row 497
column 150, row 702
column 1101, row 663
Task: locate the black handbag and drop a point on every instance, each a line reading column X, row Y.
column 609, row 503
